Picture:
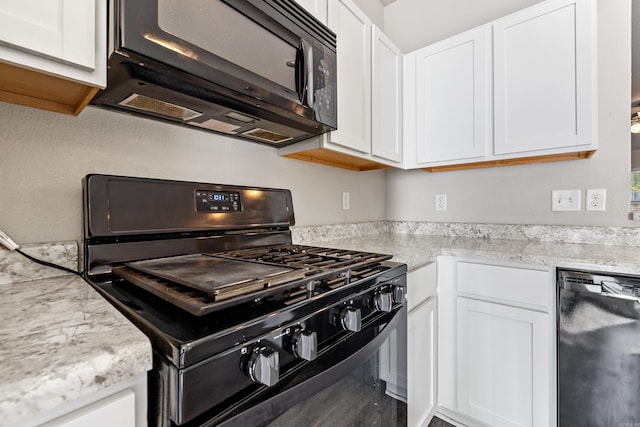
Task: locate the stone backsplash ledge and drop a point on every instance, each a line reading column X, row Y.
column 15, row 268
column 613, row 236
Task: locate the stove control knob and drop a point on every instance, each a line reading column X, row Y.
column 350, row 319
column 264, row 366
column 398, row 294
column 383, row 301
column 304, row 344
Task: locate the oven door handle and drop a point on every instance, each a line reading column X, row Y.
column 287, row 393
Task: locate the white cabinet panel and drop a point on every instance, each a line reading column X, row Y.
column 386, row 92
column 421, row 285
column 520, row 87
column 63, row 30
column 496, row 360
column 421, row 354
column 451, row 98
column 53, row 54
column 369, row 134
column 544, row 74
column 318, row 8
column 117, row 410
column 353, row 28
column 501, row 351
column 510, row 285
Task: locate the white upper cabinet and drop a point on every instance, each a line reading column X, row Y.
column 520, row 89
column 55, row 29
column 318, row 8
column 544, row 70
column 386, row 92
column 353, row 28
column 52, row 53
column 369, row 83
column 448, row 92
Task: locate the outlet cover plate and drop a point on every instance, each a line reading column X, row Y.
column 565, row 200
column 596, row 199
column 346, row 200
column 441, row 202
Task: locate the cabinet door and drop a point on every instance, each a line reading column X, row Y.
column 451, row 98
column 318, row 8
column 63, row 30
column 544, row 71
column 502, row 364
column 386, row 94
column 353, row 29
column 421, row 355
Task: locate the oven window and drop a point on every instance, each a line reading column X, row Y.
column 361, row 398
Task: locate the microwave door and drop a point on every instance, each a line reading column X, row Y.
column 223, row 32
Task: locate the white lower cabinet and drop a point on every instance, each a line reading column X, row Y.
column 123, row 404
column 421, row 345
column 496, row 343
column 501, row 363
column 421, row 357
column 117, row 410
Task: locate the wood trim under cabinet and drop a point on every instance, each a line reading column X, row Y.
column 336, row 159
column 579, row 155
column 35, row 89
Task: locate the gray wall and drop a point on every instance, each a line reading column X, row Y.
column 522, row 194
column 44, row 155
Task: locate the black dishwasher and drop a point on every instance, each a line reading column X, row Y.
column 598, row 349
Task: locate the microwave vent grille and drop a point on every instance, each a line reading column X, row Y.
column 267, row 135
column 157, row 106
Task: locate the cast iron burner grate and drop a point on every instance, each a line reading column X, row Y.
column 337, row 260
column 204, row 283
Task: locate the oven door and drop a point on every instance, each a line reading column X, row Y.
column 359, row 381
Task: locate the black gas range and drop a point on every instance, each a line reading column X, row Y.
column 246, row 327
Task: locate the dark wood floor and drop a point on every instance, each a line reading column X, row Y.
column 437, row 422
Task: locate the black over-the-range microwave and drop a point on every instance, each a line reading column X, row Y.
column 262, row 70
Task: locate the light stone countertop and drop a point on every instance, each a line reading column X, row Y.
column 418, row 250
column 62, row 341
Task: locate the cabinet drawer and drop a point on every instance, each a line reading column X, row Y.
column 519, row 286
column 421, row 285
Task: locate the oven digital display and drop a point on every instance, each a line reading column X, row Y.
column 218, row 201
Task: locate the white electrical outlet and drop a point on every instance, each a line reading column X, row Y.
column 441, row 202
column 596, row 199
column 565, row 200
column 346, row 200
